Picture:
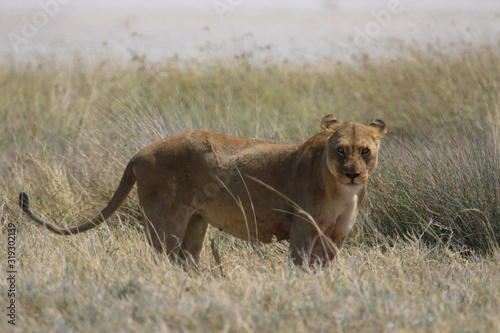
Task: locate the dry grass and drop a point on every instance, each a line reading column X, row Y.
column 108, row 281
column 423, row 257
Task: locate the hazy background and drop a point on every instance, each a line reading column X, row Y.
column 298, row 30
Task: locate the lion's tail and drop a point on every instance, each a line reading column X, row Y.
column 126, row 183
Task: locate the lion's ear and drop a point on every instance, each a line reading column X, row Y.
column 380, row 126
column 329, row 122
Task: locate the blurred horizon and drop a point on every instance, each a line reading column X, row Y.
column 39, row 30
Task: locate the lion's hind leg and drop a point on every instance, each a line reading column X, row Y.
column 193, row 238
column 165, row 228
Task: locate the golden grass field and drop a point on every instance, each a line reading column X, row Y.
column 423, row 256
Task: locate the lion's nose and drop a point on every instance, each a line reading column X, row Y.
column 352, row 175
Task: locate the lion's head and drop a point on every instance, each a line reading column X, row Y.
column 351, row 150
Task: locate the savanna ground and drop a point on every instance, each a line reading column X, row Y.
column 423, row 256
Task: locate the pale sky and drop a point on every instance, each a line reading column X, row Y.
column 292, row 29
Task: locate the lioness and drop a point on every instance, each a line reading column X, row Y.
column 259, row 191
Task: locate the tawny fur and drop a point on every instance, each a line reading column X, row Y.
column 306, row 193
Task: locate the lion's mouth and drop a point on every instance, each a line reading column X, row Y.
column 350, row 182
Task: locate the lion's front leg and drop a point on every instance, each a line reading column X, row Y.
column 326, row 247
column 324, row 250
column 302, row 237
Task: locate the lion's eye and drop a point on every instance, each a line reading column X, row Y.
column 340, row 150
column 365, row 151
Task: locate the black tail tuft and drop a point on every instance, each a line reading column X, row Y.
column 24, row 201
